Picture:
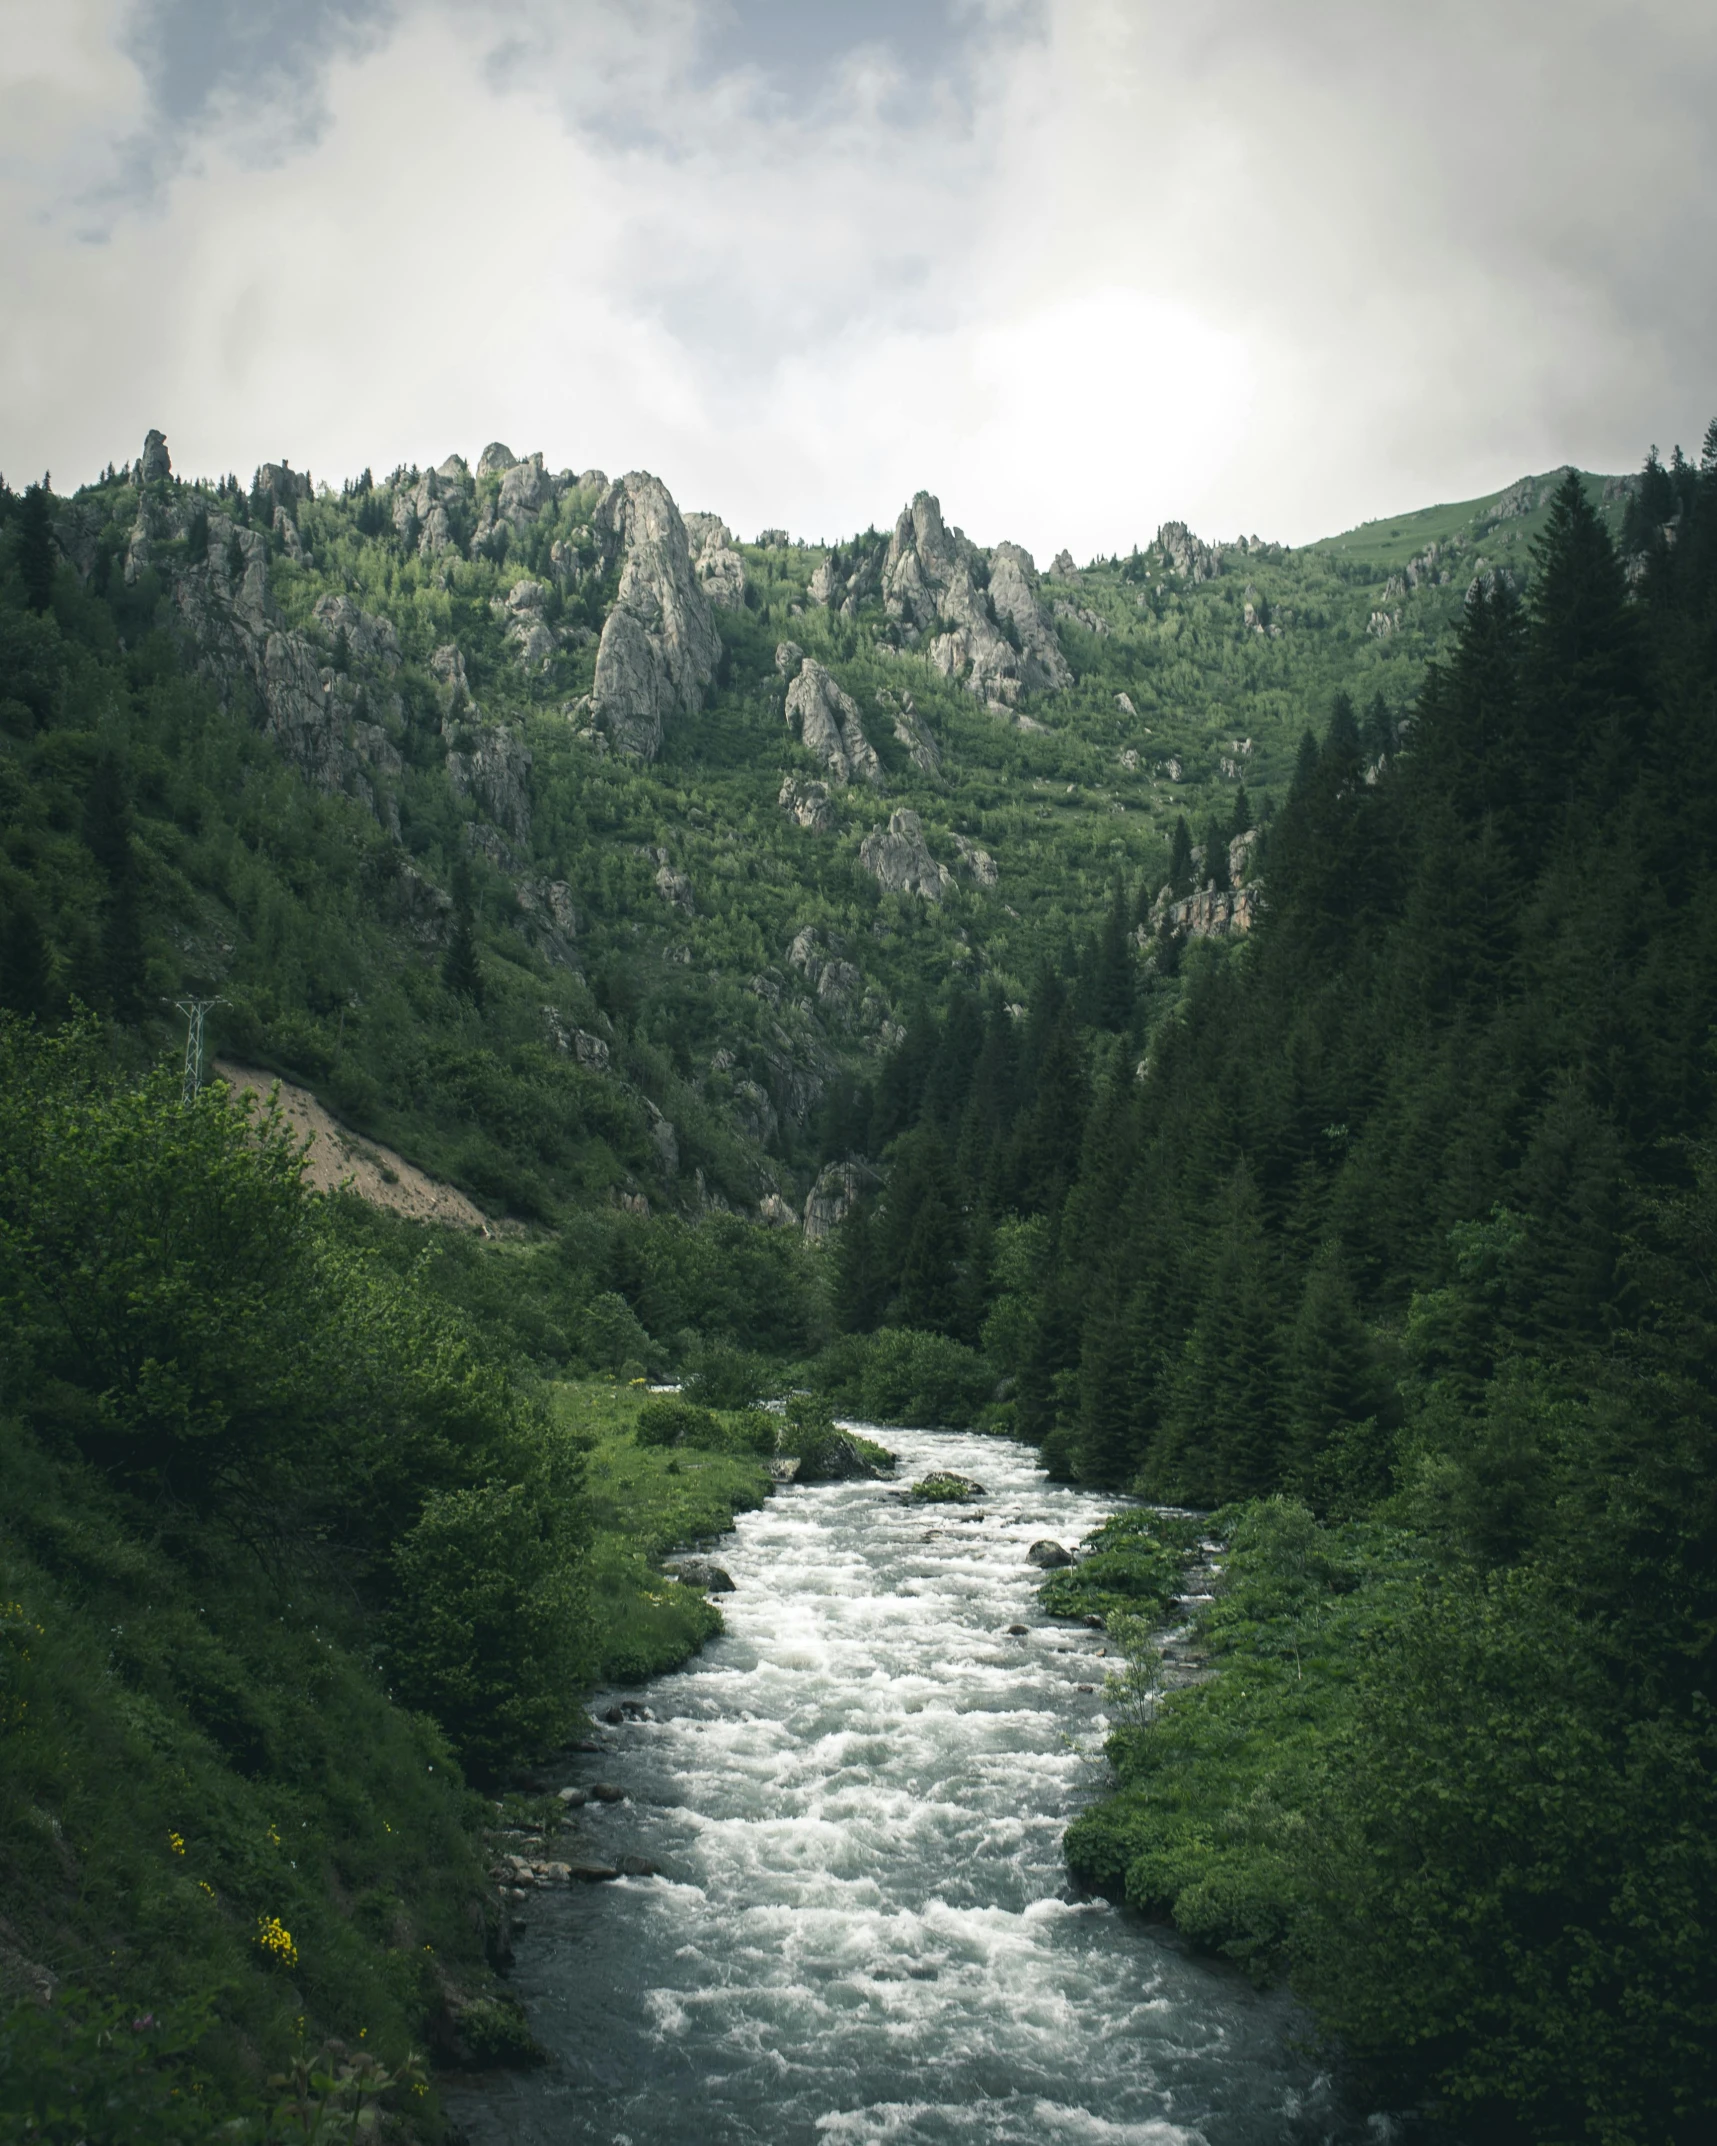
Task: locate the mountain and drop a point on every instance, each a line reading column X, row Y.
column 720, row 814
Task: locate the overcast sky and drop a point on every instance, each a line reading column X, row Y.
column 1078, row 266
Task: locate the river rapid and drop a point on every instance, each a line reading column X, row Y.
column 863, row 1930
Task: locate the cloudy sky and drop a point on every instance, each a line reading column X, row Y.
column 1076, row 265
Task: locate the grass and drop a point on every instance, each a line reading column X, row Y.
column 1211, row 1820
column 645, row 1502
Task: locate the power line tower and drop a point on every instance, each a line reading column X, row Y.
column 194, row 1010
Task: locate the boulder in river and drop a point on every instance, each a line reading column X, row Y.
column 703, row 1573
column 592, row 1873
column 607, row 1792
column 1048, row 1556
column 943, row 1487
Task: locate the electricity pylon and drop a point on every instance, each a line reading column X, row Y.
column 194, row 1009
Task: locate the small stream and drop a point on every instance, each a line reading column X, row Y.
column 864, row 1930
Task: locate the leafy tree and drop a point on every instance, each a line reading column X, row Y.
column 461, row 970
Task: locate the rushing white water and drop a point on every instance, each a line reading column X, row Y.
column 864, row 1929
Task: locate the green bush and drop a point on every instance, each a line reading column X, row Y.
column 902, row 1376
column 726, row 1377
column 664, row 1420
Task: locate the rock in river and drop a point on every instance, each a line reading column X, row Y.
column 1048, row 1556
column 703, row 1573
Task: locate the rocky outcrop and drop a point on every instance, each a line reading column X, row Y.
column 1014, row 599
column 850, row 575
column 332, row 709
column 1187, row 555
column 154, row 465
column 827, row 720
column 1048, row 1556
column 659, row 645
column 1062, row 568
column 495, row 773
column 1212, row 912
column 980, row 619
column 528, row 631
column 978, row 865
column 838, row 985
column 719, row 568
column 839, row 1186
column 808, row 804
column 899, row 859
column 911, row 730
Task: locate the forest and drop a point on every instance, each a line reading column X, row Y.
column 1381, row 1232
column 1392, row 1241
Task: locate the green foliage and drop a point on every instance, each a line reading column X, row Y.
column 1131, row 1566
column 898, row 1376
column 941, row 1488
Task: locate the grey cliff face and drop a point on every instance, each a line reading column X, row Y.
column 900, row 861
column 154, row 465
column 659, row 645
column 1014, row 599
column 912, row 731
column 807, row 804
column 1187, row 555
column 827, row 720
column 335, row 724
column 987, row 621
column 718, row 566
column 839, row 1186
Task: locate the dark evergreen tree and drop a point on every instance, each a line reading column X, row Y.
column 461, row 971
column 36, row 547
column 1180, row 860
column 107, row 830
column 26, row 967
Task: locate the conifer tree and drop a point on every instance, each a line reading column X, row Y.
column 36, row 546
column 461, row 971
column 1180, row 860
column 107, row 832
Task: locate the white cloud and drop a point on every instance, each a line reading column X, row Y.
column 1276, row 269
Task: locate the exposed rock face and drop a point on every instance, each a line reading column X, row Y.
column 154, row 465
column 659, row 645
column 934, row 578
column 851, row 575
column 831, row 1199
column 808, row 803
column 495, row 458
column 1187, row 555
column 1210, row 914
column 334, row 724
column 1013, row 598
column 900, row 859
column 912, row 731
column 976, row 862
column 718, row 566
column 674, row 887
column 828, row 723
column 1062, row 568
column 496, row 772
column 1048, row 1556
column 838, row 985
column 368, row 639
column 522, row 611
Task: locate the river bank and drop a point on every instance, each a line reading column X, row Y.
column 862, row 1926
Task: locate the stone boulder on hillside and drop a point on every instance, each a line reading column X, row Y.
column 829, row 726
column 899, row 859
column 659, row 645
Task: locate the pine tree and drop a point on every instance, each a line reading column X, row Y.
column 36, row 546
column 107, row 832
column 26, row 968
column 1180, row 860
column 1112, row 990
column 461, row 971
column 1332, row 1384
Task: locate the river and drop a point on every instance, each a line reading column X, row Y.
column 863, row 1928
